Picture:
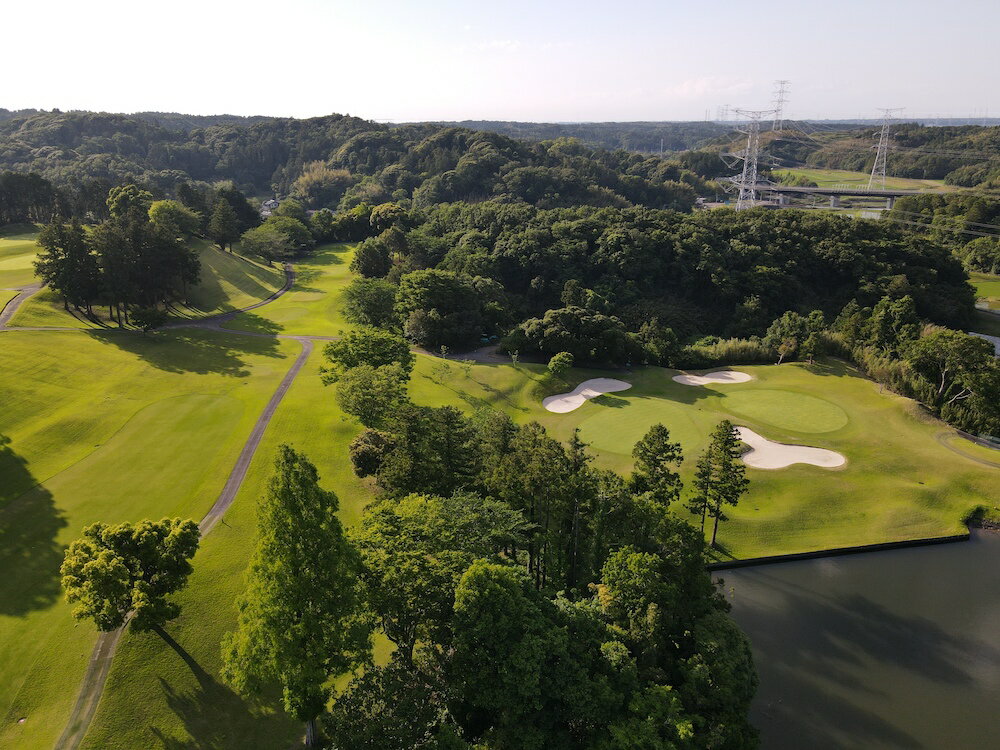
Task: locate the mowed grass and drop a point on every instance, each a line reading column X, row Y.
column 908, row 476
column 184, row 702
column 987, row 289
column 103, row 426
column 17, row 256
column 828, row 178
column 228, row 281
column 314, row 304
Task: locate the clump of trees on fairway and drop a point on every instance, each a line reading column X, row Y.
column 138, row 258
column 532, row 599
column 113, row 573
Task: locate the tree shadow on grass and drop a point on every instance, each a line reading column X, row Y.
column 30, row 556
column 250, row 322
column 217, row 718
column 193, row 350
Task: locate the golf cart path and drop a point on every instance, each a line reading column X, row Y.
column 13, row 305
column 96, row 676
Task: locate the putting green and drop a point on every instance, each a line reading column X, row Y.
column 788, row 410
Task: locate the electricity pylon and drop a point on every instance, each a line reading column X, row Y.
column 882, row 152
column 745, row 183
column 780, row 97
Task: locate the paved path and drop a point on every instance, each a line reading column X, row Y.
column 104, row 650
column 12, row 307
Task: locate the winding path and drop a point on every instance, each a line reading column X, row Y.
column 95, row 678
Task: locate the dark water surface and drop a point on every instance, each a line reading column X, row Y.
column 896, row 649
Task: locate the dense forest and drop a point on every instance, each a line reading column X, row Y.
column 336, row 161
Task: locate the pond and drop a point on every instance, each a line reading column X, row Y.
column 893, row 649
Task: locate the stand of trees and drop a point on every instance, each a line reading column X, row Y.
column 137, row 259
column 532, row 599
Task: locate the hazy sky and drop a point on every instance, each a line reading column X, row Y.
column 514, row 60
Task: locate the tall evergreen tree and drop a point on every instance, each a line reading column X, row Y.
column 298, row 622
column 223, row 227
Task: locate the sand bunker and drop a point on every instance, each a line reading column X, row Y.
column 588, row 389
column 720, row 376
column 766, row 454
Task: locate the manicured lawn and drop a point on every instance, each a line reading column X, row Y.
column 179, row 689
column 313, row 305
column 908, row 476
column 103, row 426
column 17, row 254
column 987, row 288
column 839, row 177
column 228, row 281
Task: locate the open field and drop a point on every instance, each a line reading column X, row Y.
column 313, row 304
column 228, row 282
column 96, row 428
column 987, row 289
column 828, row 178
column 17, row 253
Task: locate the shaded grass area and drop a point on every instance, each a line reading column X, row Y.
column 94, row 428
column 987, row 289
column 988, row 323
column 828, row 178
column 313, row 305
column 228, row 282
column 17, row 254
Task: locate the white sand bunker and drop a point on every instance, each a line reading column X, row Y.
column 588, row 389
column 767, row 454
column 720, row 376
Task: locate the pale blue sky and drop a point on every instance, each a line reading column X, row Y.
column 516, row 60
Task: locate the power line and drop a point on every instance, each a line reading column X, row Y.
column 780, row 97
column 746, row 182
column 882, row 153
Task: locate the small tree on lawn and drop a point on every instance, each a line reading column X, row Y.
column 655, row 458
column 298, row 621
column 720, row 477
column 112, row 571
column 560, row 364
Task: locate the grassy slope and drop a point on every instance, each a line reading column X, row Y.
column 987, row 288
column 228, row 282
column 837, row 177
column 313, row 304
column 900, row 483
column 98, row 425
column 181, row 695
column 17, row 253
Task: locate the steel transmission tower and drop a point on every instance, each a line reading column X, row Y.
column 882, row 152
column 745, row 183
column 780, row 97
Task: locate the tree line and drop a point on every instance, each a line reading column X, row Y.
column 531, row 599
